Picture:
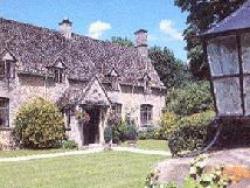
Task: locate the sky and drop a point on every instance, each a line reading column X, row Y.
column 102, row 19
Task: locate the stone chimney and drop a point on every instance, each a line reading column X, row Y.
column 141, row 42
column 65, row 27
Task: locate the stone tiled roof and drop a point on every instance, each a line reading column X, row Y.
column 38, row 48
column 236, row 21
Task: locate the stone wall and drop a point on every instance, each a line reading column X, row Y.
column 6, row 139
column 132, row 98
column 25, row 87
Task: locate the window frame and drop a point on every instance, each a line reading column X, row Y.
column 114, row 83
column 5, row 110
column 146, row 115
column 8, row 69
column 58, row 75
column 117, row 108
column 3, row 65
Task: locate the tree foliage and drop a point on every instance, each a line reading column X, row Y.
column 122, row 41
column 201, row 16
column 190, row 99
column 171, row 70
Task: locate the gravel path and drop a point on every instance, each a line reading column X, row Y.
column 83, row 152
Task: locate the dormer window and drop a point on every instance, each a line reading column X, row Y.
column 117, row 108
column 58, row 69
column 7, row 66
column 147, row 83
column 58, row 75
column 114, row 79
column 114, row 83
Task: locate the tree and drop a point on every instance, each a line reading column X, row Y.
column 201, row 16
column 122, row 41
column 171, row 70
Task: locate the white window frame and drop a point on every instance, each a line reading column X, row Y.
column 146, row 115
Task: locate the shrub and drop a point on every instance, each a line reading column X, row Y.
column 192, row 98
column 38, row 124
column 145, row 135
column 120, row 133
column 129, row 133
column 150, row 133
column 108, row 134
column 192, row 133
column 69, row 144
column 169, row 122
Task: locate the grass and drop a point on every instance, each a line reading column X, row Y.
column 25, row 152
column 150, row 144
column 107, row 169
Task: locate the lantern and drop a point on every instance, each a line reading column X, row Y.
column 227, row 48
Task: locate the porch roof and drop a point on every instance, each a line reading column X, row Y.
column 92, row 94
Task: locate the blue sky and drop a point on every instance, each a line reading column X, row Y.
column 103, row 19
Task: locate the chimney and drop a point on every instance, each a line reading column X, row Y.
column 65, row 27
column 142, row 42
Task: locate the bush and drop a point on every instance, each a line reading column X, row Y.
column 69, row 144
column 108, row 134
column 145, row 135
column 39, row 124
column 169, row 122
column 120, row 133
column 129, row 133
column 192, row 98
column 192, row 133
column 150, row 133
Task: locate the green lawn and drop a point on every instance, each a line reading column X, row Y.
column 150, row 144
column 102, row 170
column 25, row 152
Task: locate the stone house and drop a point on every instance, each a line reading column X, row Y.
column 79, row 74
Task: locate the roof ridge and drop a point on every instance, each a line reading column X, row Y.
column 37, row 46
column 58, row 32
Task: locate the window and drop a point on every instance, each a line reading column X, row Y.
column 146, row 115
column 2, row 69
column 4, row 112
column 67, row 114
column 113, row 77
column 114, row 83
column 58, row 75
column 223, row 56
column 7, row 69
column 117, row 108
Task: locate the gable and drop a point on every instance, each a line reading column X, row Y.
column 59, row 64
column 7, row 56
column 95, row 94
column 113, row 73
